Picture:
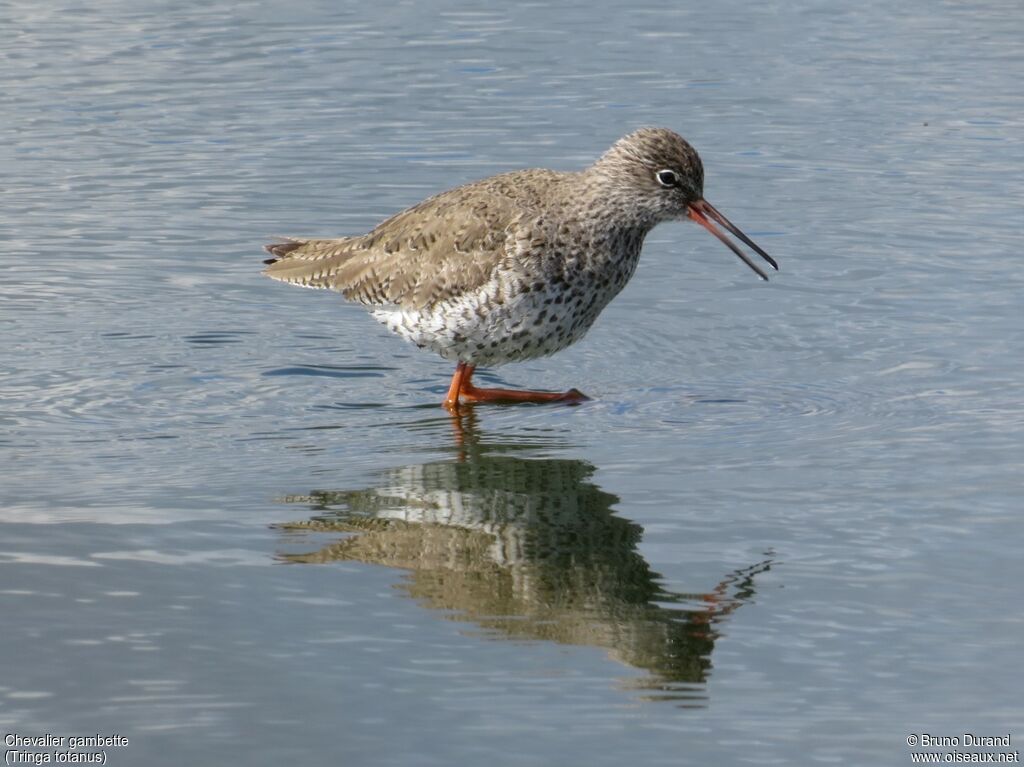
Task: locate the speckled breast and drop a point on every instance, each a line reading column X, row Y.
column 522, row 313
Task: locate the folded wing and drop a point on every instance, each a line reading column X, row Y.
column 446, row 245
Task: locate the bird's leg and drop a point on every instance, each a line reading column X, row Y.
column 451, row 400
column 470, row 393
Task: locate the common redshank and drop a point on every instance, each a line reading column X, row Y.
column 515, row 266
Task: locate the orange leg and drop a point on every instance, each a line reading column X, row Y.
column 451, row 400
column 462, row 386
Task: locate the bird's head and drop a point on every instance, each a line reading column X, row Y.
column 662, row 174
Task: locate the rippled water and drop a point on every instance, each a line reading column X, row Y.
column 235, row 527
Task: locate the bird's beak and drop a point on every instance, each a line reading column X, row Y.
column 704, row 213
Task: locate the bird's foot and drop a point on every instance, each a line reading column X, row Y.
column 473, row 394
column 462, row 389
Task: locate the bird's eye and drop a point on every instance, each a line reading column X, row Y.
column 667, row 177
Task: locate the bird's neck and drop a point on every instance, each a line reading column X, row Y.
column 605, row 199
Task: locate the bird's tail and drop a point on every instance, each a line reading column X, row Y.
column 310, row 263
column 280, row 250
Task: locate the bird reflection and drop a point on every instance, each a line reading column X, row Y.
column 528, row 548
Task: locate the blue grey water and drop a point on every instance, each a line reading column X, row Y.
column 236, row 528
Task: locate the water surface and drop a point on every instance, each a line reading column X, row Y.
column 235, row 527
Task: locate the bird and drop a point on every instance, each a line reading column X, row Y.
column 516, row 266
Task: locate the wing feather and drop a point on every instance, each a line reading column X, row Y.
column 447, row 244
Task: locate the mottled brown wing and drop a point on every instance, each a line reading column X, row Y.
column 442, row 247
